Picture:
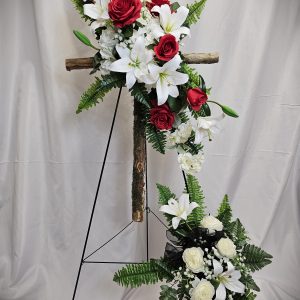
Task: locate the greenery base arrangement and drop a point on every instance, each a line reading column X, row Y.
column 205, row 258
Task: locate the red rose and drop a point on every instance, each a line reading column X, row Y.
column 151, row 4
column 124, row 12
column 196, row 98
column 167, row 47
column 162, row 117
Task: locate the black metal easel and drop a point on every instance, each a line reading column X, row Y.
column 84, row 257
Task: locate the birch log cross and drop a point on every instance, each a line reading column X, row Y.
column 139, row 138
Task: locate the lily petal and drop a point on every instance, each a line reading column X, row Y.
column 184, row 201
column 91, row 10
column 192, row 206
column 235, row 286
column 130, row 79
column 177, row 78
column 218, row 269
column 180, row 16
column 173, row 91
column 175, row 222
column 168, row 210
column 173, row 64
column 221, row 292
column 121, row 65
column 123, row 52
column 162, row 91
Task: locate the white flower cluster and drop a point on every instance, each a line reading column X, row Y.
column 203, row 127
column 132, row 50
column 214, row 264
column 136, row 58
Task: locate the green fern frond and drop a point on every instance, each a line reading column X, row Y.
column 167, row 293
column 255, row 257
column 194, row 78
column 78, row 4
column 165, row 195
column 195, row 11
column 238, row 233
column 156, row 138
column 139, row 92
column 196, row 195
column 99, row 89
column 135, row 275
column 250, row 284
column 225, row 212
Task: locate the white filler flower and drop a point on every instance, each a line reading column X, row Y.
column 226, row 247
column 203, row 290
column 180, row 209
column 193, row 258
column 134, row 62
column 227, row 280
column 206, row 127
column 171, row 22
column 189, row 163
column 98, row 12
column 211, row 223
column 167, row 79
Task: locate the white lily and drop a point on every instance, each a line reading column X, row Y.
column 171, row 23
column 133, row 62
column 97, row 11
column 181, row 209
column 227, row 280
column 167, row 79
column 206, row 127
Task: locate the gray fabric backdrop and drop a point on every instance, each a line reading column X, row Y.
column 50, row 157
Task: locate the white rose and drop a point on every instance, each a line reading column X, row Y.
column 226, row 247
column 212, row 224
column 193, row 258
column 203, row 291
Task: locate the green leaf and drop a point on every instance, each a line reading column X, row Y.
column 84, row 39
column 128, row 32
column 195, row 11
column 139, row 93
column 165, row 194
column 175, row 6
column 194, row 77
column 255, row 257
column 205, row 109
column 99, row 89
column 135, row 275
column 248, row 281
column 238, row 233
column 79, row 7
column 196, row 195
column 167, row 293
column 225, row 212
column 156, row 138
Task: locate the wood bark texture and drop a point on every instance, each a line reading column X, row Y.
column 189, row 58
column 139, row 163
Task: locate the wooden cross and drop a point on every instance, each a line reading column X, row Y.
column 139, row 138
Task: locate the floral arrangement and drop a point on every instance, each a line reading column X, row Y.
column 205, row 258
column 138, row 46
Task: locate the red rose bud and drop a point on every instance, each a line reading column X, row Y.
column 162, row 117
column 196, row 98
column 124, row 12
column 167, row 47
column 151, row 4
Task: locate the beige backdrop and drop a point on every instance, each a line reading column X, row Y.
column 50, row 157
